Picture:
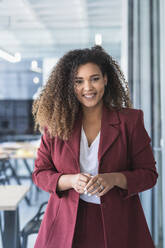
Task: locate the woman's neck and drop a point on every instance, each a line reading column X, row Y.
column 92, row 115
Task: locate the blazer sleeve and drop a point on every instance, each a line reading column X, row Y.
column 143, row 174
column 45, row 174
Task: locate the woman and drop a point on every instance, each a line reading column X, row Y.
column 94, row 158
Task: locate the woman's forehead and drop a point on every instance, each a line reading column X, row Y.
column 88, row 69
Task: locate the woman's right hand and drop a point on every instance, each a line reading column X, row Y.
column 79, row 181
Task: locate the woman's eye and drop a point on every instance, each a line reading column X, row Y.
column 95, row 79
column 78, row 81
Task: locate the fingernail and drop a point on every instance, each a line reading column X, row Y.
column 85, row 192
column 89, row 194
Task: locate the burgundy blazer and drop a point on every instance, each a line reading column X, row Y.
column 124, row 147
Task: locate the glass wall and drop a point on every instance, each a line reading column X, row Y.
column 145, row 74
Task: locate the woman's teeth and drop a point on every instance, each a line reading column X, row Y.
column 89, row 96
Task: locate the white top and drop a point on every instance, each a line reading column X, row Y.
column 89, row 162
column 11, row 195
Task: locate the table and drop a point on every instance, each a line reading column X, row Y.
column 10, row 197
column 5, row 164
column 24, row 151
column 20, row 150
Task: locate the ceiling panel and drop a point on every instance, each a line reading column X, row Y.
column 43, row 28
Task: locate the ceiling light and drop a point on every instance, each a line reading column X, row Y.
column 36, row 80
column 98, row 39
column 9, row 57
column 34, row 66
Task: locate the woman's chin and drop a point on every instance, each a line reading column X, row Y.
column 92, row 105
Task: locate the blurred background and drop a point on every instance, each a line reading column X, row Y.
column 34, row 34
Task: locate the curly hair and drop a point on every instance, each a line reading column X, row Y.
column 57, row 107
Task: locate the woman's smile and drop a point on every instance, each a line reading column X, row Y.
column 90, row 96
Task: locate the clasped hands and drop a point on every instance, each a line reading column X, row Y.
column 94, row 185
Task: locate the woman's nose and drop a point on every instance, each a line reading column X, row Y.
column 87, row 85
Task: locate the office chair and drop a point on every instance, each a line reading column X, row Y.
column 33, row 225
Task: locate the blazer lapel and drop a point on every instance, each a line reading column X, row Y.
column 109, row 130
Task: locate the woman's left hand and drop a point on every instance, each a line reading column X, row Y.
column 100, row 184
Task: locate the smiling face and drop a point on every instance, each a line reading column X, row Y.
column 89, row 85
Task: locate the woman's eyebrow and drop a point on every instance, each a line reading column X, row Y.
column 90, row 76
